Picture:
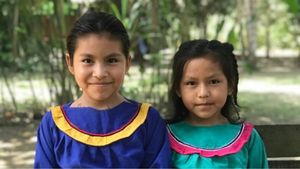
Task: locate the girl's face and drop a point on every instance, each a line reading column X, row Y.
column 203, row 90
column 99, row 67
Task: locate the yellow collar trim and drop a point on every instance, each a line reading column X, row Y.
column 64, row 126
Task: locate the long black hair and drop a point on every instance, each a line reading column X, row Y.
column 219, row 52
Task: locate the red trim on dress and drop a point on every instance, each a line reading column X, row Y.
column 233, row 147
column 95, row 134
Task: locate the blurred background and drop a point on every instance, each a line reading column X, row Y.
column 33, row 75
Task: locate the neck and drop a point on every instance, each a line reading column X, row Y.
column 87, row 102
column 205, row 122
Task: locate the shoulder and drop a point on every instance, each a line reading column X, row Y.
column 255, row 136
column 153, row 112
column 153, row 115
column 251, row 129
column 47, row 119
column 47, row 123
column 150, row 110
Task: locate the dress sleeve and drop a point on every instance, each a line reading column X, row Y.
column 44, row 153
column 257, row 152
column 157, row 147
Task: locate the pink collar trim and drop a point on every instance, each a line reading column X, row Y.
column 234, row 146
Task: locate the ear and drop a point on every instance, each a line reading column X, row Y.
column 128, row 63
column 69, row 63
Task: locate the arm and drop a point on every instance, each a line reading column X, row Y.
column 44, row 153
column 157, row 148
column 257, row 152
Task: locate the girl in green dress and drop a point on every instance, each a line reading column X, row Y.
column 206, row 130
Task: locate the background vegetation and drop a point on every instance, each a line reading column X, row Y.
column 265, row 33
column 33, row 75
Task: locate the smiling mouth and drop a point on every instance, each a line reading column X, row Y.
column 101, row 84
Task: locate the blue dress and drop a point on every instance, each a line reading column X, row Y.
column 129, row 135
column 217, row 146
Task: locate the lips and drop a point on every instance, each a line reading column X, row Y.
column 204, row 104
column 101, row 83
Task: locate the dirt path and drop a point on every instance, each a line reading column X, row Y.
column 17, row 144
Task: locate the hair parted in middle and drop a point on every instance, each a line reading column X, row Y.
column 223, row 54
column 100, row 23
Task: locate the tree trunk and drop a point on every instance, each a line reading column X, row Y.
column 155, row 47
column 32, row 89
column 2, row 96
column 269, row 22
column 242, row 40
column 10, row 91
column 15, row 46
column 65, row 93
column 250, row 8
column 268, row 41
column 239, row 19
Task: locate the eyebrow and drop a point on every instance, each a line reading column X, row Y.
column 109, row 55
column 215, row 74
column 208, row 77
column 115, row 55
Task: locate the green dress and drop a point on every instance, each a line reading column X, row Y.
column 218, row 146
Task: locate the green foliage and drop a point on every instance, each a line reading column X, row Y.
column 45, row 8
column 135, row 20
column 232, row 36
column 293, row 5
column 293, row 28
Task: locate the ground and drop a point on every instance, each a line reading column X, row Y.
column 17, row 144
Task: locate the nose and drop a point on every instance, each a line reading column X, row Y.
column 203, row 91
column 100, row 71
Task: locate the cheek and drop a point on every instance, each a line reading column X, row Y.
column 187, row 91
column 81, row 75
column 187, row 97
column 119, row 74
column 222, row 97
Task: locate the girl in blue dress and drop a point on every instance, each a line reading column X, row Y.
column 206, row 130
column 102, row 128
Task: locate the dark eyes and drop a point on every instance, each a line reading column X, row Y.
column 109, row 60
column 214, row 81
column 190, row 83
column 87, row 60
column 112, row 60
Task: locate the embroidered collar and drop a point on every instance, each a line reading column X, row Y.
column 234, row 146
column 64, row 124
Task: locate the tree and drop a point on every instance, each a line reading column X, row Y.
column 250, row 8
column 294, row 10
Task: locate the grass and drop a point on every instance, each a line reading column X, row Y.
column 270, row 108
column 271, row 97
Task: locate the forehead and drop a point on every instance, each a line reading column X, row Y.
column 98, row 44
column 202, row 66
